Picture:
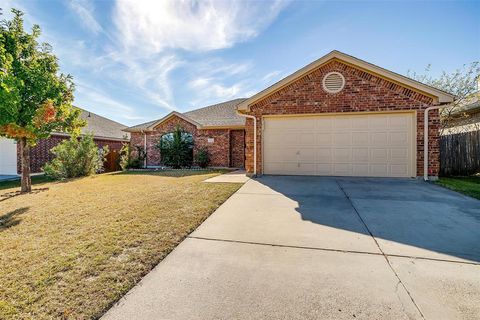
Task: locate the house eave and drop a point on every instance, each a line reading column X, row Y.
column 63, row 134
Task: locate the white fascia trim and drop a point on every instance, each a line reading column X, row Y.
column 171, row 114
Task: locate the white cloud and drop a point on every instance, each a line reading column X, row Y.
column 210, row 90
column 97, row 101
column 85, row 11
column 153, row 26
column 271, row 76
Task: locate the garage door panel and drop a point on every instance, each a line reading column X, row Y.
column 399, row 155
column 399, row 170
column 360, row 138
column 325, row 169
column 398, row 138
column 342, row 123
column 360, row 170
column 307, row 138
column 379, row 145
column 379, row 170
column 324, row 155
column 378, row 122
column 360, row 122
column 342, row 169
column 307, row 155
column 324, row 124
column 342, row 155
column 379, row 138
column 342, row 138
column 398, row 122
column 360, row 154
column 324, row 139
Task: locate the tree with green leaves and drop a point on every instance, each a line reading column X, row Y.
column 462, row 83
column 35, row 98
column 176, row 148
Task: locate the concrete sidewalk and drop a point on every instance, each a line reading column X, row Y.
column 322, row 248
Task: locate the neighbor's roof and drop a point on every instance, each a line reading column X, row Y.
column 215, row 116
column 470, row 104
column 439, row 95
column 102, row 127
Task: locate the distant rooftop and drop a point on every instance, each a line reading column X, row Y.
column 102, row 127
column 222, row 114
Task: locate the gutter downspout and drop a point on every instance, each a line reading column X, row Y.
column 254, row 140
column 425, row 140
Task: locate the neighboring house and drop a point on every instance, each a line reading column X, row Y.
column 464, row 117
column 105, row 131
column 218, row 128
column 337, row 116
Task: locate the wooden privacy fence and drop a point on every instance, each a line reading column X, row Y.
column 460, row 154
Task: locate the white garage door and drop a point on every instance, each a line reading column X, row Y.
column 8, row 157
column 370, row 145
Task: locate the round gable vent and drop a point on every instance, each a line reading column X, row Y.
column 333, row 82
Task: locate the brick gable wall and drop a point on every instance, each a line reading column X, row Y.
column 219, row 149
column 363, row 92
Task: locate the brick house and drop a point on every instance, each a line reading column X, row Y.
column 105, row 131
column 337, row 116
column 217, row 127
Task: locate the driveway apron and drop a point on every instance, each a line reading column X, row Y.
column 290, row 247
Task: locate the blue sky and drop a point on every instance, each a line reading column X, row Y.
column 136, row 60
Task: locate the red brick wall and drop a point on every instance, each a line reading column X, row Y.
column 219, row 149
column 40, row 153
column 237, row 148
column 362, row 92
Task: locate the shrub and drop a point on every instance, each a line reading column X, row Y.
column 176, row 148
column 131, row 159
column 202, row 158
column 76, row 157
column 125, row 157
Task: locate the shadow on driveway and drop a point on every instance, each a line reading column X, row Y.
column 405, row 216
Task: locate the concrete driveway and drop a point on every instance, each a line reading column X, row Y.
column 322, row 248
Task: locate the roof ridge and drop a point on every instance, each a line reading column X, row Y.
column 214, row 105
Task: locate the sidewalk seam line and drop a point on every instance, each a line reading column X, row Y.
column 331, row 250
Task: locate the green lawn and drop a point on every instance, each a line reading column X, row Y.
column 466, row 185
column 71, row 249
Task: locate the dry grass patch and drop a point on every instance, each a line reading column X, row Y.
column 75, row 249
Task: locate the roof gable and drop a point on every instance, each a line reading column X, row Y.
column 221, row 115
column 436, row 94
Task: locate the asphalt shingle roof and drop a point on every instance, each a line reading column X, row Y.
column 220, row 114
column 101, row 126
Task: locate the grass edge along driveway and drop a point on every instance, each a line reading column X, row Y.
column 73, row 250
column 469, row 186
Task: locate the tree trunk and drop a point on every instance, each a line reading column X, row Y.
column 25, row 160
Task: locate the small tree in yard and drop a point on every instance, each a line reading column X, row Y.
column 76, row 157
column 35, row 99
column 176, row 148
column 132, row 158
column 462, row 83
